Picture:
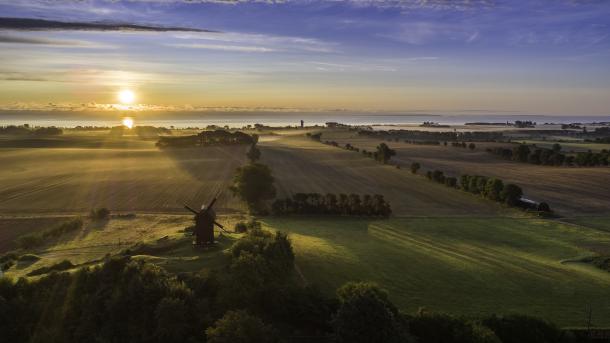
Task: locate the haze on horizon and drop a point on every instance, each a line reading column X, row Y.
column 542, row 56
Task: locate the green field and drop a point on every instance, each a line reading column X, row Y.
column 471, row 266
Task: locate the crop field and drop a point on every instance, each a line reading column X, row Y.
column 568, row 190
column 465, row 266
column 302, row 165
column 141, row 178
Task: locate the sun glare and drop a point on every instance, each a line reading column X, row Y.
column 128, row 122
column 126, row 96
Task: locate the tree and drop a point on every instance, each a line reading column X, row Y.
column 254, row 185
column 544, row 207
column 254, row 154
column 384, row 153
column 366, row 315
column 493, row 189
column 511, row 194
column 438, row 327
column 521, row 153
column 415, row 167
column 525, row 329
column 240, row 327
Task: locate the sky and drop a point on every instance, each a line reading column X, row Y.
column 494, row 56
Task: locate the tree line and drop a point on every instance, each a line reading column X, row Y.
column 25, row 130
column 552, row 156
column 332, row 204
column 383, row 153
column 490, row 188
column 417, row 135
column 255, row 297
column 207, row 138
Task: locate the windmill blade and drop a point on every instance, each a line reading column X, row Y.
column 190, row 209
column 212, row 202
column 218, row 224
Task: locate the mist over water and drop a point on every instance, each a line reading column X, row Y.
column 241, row 119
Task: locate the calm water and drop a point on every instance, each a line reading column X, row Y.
column 240, row 119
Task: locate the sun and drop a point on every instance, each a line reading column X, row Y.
column 128, row 122
column 126, row 96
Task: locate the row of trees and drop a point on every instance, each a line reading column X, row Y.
column 207, row 138
column 464, row 145
column 552, row 157
column 490, row 188
column 25, row 130
column 383, row 153
column 333, row 204
column 416, row 135
column 256, row 297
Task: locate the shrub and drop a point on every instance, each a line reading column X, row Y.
column 240, row 327
column 415, row 167
column 524, row 329
column 39, row 238
column 246, row 226
column 443, row 328
column 99, row 214
column 60, row 266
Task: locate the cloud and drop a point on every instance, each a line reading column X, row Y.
column 237, row 48
column 29, row 24
column 31, row 40
column 254, row 42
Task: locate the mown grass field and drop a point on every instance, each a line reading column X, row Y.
column 470, row 266
column 135, row 177
column 568, row 190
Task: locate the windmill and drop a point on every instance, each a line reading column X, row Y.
column 205, row 219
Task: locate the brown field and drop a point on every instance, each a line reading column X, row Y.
column 140, row 178
column 302, row 165
column 569, row 190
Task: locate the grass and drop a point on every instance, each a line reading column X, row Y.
column 159, row 239
column 465, row 266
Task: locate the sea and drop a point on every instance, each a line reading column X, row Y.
column 235, row 119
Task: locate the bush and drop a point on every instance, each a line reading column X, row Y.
column 525, row 329
column 242, row 227
column 99, row 214
column 33, row 240
column 443, row 328
column 61, row 266
column 240, row 327
column 415, row 167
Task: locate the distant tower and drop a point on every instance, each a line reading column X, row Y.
column 302, row 123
